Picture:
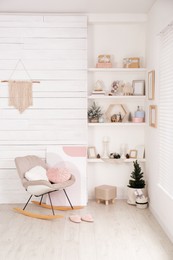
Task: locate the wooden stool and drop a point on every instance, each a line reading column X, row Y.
column 106, row 193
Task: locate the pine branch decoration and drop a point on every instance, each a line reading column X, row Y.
column 137, row 180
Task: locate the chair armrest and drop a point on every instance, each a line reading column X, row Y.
column 55, row 186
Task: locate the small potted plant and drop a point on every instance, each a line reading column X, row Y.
column 136, row 182
column 94, row 113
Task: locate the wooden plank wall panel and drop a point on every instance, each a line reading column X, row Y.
column 53, row 49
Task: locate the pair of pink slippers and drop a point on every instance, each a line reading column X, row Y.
column 78, row 218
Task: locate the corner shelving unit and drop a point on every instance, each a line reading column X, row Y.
column 125, row 136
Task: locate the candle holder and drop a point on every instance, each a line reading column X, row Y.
column 105, row 148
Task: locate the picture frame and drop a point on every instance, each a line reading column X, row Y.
column 138, row 87
column 140, row 151
column 153, row 116
column 133, row 154
column 151, row 85
column 92, row 152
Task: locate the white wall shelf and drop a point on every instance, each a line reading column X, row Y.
column 116, row 161
column 116, row 124
column 97, row 96
column 117, row 70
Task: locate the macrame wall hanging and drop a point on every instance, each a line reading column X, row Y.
column 20, row 94
column 20, row 91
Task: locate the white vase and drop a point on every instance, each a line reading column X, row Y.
column 101, row 120
column 105, row 154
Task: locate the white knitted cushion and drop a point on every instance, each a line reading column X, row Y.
column 36, row 173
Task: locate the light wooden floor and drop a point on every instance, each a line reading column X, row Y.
column 120, row 232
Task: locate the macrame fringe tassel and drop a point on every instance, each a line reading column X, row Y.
column 20, row 94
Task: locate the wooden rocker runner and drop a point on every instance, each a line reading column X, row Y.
column 39, row 188
column 61, row 208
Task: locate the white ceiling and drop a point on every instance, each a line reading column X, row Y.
column 76, row 6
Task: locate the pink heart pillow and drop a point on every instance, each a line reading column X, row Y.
column 57, row 175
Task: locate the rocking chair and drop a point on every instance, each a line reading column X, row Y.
column 39, row 188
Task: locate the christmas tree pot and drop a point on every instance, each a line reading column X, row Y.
column 142, row 203
column 94, row 120
column 136, row 182
column 131, row 197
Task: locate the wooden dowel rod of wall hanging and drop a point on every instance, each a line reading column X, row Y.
column 33, row 81
column 25, row 70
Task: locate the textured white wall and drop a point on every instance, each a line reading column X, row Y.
column 54, row 51
column 161, row 205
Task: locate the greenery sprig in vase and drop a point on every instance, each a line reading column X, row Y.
column 94, row 113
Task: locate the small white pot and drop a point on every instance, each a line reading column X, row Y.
column 131, row 197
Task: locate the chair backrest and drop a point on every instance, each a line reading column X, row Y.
column 24, row 164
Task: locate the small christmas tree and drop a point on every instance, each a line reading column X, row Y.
column 137, row 177
column 94, row 112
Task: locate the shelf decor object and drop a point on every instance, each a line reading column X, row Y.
column 151, row 84
column 133, row 62
column 128, row 89
column 92, row 152
column 122, row 113
column 104, row 61
column 105, row 154
column 139, row 116
column 138, row 87
column 133, row 154
column 153, row 115
column 94, row 113
column 99, row 85
column 140, row 151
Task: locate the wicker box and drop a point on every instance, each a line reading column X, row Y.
column 105, row 193
column 104, row 65
column 133, row 62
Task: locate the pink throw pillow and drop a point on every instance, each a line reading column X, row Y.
column 58, row 175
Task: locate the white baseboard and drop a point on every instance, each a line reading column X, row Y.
column 162, row 224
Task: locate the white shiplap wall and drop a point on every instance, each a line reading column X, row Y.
column 53, row 49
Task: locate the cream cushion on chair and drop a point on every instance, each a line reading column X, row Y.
column 36, row 173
